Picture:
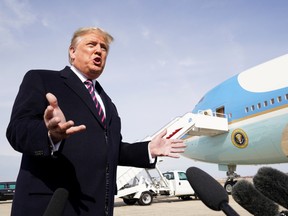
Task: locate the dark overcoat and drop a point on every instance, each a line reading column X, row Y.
column 86, row 162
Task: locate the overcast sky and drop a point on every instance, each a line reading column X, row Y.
column 165, row 56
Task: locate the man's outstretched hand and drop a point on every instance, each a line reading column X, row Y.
column 160, row 146
column 55, row 121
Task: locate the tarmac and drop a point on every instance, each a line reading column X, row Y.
column 160, row 206
column 174, row 207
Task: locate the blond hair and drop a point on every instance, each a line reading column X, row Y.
column 77, row 36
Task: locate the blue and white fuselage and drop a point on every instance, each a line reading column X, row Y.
column 255, row 103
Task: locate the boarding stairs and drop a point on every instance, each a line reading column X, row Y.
column 203, row 123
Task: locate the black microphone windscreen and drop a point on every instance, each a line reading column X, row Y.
column 246, row 195
column 57, row 203
column 273, row 184
column 207, row 188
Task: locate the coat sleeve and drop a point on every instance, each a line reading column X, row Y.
column 26, row 131
column 136, row 155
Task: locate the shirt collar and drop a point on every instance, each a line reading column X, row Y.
column 81, row 75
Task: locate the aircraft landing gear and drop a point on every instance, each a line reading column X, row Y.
column 228, row 185
column 230, row 182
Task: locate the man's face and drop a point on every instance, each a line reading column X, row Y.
column 89, row 55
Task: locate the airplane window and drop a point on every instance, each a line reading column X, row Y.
column 272, row 101
column 286, row 96
column 259, row 105
column 252, row 107
column 279, row 98
column 246, row 109
column 265, row 103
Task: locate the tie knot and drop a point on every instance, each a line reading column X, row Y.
column 88, row 83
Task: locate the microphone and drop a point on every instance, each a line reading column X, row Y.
column 273, row 184
column 210, row 192
column 57, row 203
column 247, row 196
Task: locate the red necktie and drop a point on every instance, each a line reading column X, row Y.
column 91, row 89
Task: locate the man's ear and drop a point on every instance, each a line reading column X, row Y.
column 72, row 53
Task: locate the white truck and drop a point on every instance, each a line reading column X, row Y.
column 143, row 189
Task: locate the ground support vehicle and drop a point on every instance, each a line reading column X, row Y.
column 144, row 187
column 7, row 190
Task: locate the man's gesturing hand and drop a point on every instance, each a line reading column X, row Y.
column 58, row 127
column 160, row 146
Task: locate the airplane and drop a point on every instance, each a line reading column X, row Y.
column 242, row 121
column 253, row 106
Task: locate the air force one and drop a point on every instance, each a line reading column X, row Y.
column 242, row 121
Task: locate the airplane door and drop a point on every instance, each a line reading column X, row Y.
column 220, row 112
column 182, row 185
